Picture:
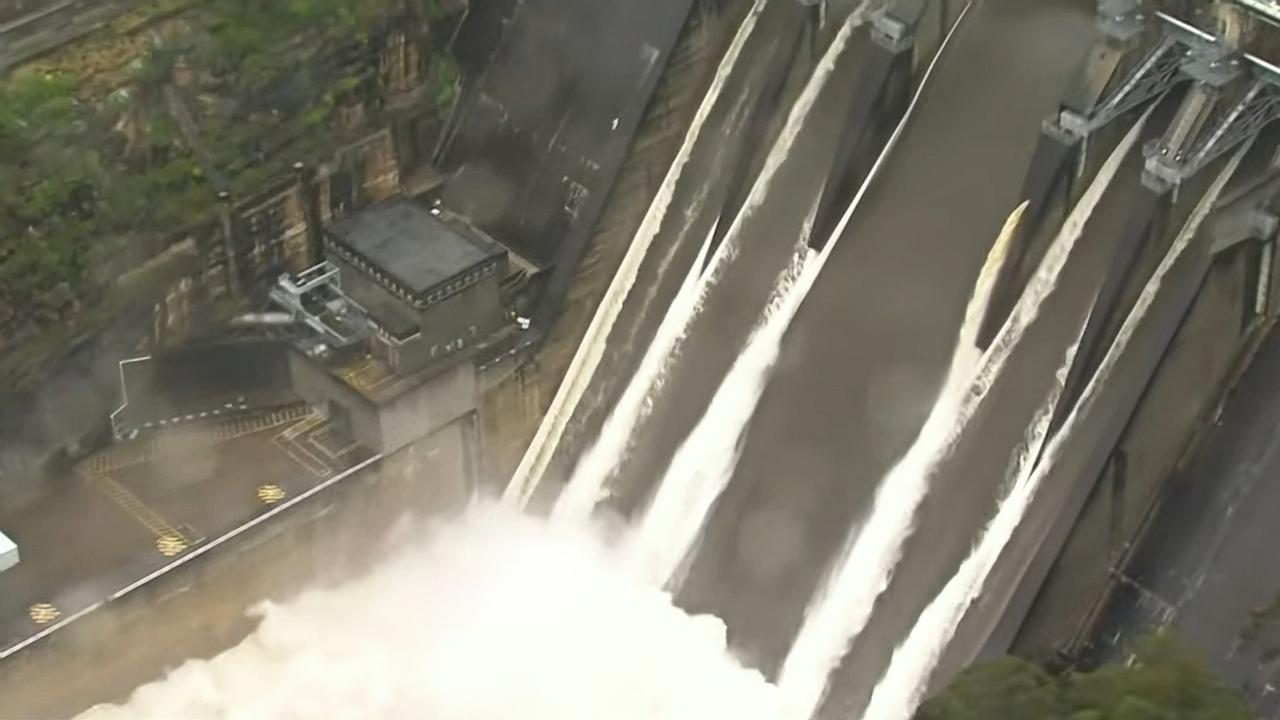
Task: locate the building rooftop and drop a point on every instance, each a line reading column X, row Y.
column 393, row 316
column 415, row 247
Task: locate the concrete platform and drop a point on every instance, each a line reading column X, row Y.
column 134, row 508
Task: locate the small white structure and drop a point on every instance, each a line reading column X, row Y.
column 8, row 552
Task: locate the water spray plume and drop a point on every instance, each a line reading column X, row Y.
column 494, row 616
column 843, row 605
column 591, row 350
column 907, row 679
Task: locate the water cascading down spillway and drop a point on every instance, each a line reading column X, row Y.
column 598, row 463
column 703, row 464
column 840, row 610
column 907, row 678
column 587, row 484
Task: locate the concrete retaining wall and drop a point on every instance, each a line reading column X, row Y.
column 319, row 388
column 439, row 401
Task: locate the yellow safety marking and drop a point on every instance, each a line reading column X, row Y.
column 270, row 494
column 141, row 452
column 367, row 376
column 119, row 456
column 140, row 511
column 170, row 544
column 388, row 377
column 43, row 613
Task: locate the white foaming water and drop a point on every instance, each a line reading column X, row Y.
column 494, row 616
column 587, row 358
column 904, row 684
column 587, row 484
column 843, row 605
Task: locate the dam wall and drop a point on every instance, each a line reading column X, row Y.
column 1044, row 593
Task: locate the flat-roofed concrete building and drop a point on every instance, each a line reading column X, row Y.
column 430, row 282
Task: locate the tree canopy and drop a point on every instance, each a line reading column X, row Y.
column 85, row 168
column 1164, row 682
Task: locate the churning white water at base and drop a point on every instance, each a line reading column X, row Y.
column 843, row 604
column 904, row 684
column 491, row 616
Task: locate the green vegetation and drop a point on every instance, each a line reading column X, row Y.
column 53, row 183
column 1164, row 682
column 228, row 97
column 1261, row 620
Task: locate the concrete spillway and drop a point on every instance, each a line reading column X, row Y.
column 868, row 351
column 861, row 365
